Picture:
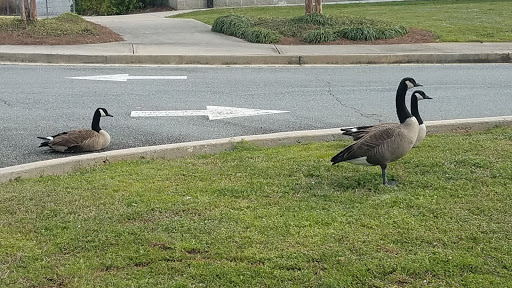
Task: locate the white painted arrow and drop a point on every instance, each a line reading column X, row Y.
column 125, row 77
column 213, row 112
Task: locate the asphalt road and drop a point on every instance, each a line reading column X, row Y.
column 39, row 100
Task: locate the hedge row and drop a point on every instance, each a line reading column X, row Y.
column 242, row 27
column 312, row 28
column 355, row 33
column 115, row 7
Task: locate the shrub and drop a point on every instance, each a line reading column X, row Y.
column 261, row 35
column 370, row 33
column 114, row 7
column 393, row 32
column 320, row 36
column 233, row 25
column 358, row 33
column 312, row 19
column 312, row 28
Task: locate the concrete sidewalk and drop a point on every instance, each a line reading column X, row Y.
column 153, row 39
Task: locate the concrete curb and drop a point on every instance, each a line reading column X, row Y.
column 171, row 151
column 345, row 59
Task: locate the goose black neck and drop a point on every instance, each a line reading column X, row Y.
column 96, row 121
column 401, row 109
column 414, row 109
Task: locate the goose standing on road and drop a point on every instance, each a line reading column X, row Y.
column 84, row 140
column 358, row 132
column 382, row 146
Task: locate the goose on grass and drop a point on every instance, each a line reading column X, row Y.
column 382, row 146
column 358, row 132
column 83, row 140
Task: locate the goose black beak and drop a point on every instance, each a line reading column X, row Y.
column 427, row 97
column 418, row 85
column 109, row 115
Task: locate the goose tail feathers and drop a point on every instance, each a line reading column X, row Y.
column 45, row 138
column 46, row 141
column 349, row 131
column 355, row 132
column 344, row 155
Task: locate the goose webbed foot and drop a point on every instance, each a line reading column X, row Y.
column 391, row 183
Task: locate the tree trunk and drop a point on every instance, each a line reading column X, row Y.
column 309, row 6
column 23, row 16
column 28, row 10
column 33, row 10
column 318, row 6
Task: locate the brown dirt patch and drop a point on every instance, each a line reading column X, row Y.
column 105, row 35
column 414, row 36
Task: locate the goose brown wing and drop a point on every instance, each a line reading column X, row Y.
column 371, row 144
column 73, row 138
column 364, row 130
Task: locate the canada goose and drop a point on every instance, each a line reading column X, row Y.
column 80, row 140
column 382, row 146
column 358, row 132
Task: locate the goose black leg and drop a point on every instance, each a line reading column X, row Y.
column 385, row 178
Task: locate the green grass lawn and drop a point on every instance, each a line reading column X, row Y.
column 449, row 20
column 269, row 217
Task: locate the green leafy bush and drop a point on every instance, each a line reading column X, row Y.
column 393, row 31
column 261, row 35
column 371, row 33
column 358, row 33
column 233, row 25
column 312, row 28
column 114, row 7
column 312, row 19
column 320, row 36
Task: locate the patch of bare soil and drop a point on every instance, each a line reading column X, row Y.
column 105, row 36
column 414, row 36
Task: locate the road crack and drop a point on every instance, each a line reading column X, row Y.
column 371, row 116
column 4, row 102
